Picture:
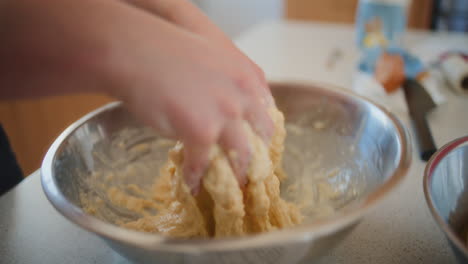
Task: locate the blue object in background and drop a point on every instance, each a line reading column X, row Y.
column 380, row 23
column 450, row 15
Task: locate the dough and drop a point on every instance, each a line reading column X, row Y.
column 222, row 208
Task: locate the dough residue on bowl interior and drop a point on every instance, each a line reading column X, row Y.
column 221, row 208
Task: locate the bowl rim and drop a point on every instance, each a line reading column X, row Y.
column 302, row 233
column 431, row 165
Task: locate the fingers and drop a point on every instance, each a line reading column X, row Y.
column 259, row 101
column 197, row 123
column 260, row 121
column 201, row 122
column 259, row 72
column 216, row 116
column 195, row 164
column 235, row 144
column 160, row 121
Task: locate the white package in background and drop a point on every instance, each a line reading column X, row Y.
column 455, row 69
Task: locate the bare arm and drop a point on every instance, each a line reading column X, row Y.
column 186, row 15
column 41, row 54
column 184, row 84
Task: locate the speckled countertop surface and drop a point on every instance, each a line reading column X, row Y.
column 400, row 230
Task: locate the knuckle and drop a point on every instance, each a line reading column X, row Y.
column 245, row 82
column 244, row 148
column 230, row 108
column 259, row 71
column 205, row 133
column 193, row 127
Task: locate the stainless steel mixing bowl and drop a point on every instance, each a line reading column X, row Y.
column 362, row 149
column 446, row 191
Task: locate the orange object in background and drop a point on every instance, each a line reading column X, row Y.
column 390, row 71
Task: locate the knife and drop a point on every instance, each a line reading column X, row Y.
column 420, row 103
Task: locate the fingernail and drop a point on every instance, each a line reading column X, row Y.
column 269, row 134
column 266, row 134
column 194, row 187
column 234, row 159
column 239, row 165
column 196, row 190
column 244, row 181
column 193, row 179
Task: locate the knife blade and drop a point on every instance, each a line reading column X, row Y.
column 420, row 103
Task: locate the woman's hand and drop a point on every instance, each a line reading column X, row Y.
column 188, row 17
column 188, row 84
column 194, row 90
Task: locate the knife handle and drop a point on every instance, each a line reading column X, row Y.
column 424, row 137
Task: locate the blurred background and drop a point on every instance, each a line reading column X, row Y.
column 236, row 16
column 33, row 124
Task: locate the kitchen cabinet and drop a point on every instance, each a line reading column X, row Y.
column 343, row 11
column 33, row 124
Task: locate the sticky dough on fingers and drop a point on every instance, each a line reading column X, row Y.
column 222, row 208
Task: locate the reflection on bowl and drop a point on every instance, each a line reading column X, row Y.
column 446, row 191
column 335, row 138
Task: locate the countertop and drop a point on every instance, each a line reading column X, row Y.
column 399, row 230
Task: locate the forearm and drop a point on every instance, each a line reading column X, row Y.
column 53, row 47
column 186, row 15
